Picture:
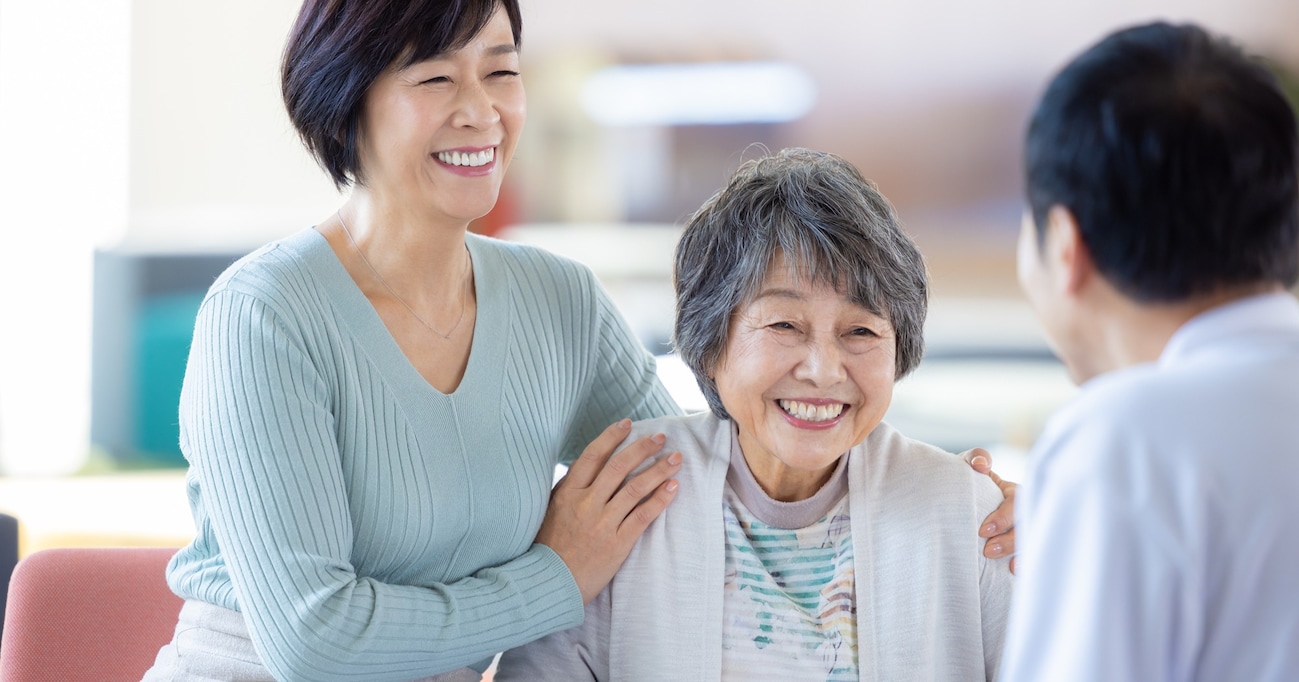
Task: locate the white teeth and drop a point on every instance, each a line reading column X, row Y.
column 811, row 413
column 472, row 160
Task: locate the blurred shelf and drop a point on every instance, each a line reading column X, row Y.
column 116, row 510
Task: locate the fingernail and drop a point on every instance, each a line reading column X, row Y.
column 979, row 460
column 624, row 424
column 995, row 550
column 990, row 529
column 674, row 458
column 658, row 438
column 672, row 486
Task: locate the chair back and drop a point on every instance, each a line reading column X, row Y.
column 87, row 614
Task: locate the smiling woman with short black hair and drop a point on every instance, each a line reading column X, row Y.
column 373, row 408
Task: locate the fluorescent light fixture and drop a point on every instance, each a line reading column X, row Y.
column 708, row 93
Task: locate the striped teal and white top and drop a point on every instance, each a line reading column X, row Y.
column 788, row 605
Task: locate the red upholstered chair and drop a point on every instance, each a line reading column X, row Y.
column 87, row 614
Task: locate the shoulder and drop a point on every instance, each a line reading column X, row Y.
column 526, row 262
column 905, row 468
column 282, row 270
column 701, row 438
column 1125, row 407
column 541, row 285
column 897, row 455
column 291, row 285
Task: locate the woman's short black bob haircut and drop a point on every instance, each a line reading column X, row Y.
column 337, row 49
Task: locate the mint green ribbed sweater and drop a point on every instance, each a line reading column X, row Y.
column 367, row 525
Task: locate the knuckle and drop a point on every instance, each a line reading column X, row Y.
column 619, row 465
column 644, row 514
column 634, row 489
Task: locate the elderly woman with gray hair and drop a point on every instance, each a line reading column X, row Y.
column 809, row 540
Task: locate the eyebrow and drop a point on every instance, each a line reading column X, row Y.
column 494, row 51
column 779, row 293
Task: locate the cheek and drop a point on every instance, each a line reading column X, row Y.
column 513, row 107
column 747, row 368
column 875, row 378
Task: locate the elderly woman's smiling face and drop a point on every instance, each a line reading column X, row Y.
column 806, row 375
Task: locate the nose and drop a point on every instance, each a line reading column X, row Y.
column 475, row 107
column 822, row 364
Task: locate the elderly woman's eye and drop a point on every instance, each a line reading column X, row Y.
column 862, row 331
column 782, row 326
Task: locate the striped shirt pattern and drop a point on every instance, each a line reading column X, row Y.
column 788, row 604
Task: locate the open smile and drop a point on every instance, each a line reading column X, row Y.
column 813, row 414
column 468, row 159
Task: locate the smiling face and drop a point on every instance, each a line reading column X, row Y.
column 806, row 375
column 440, row 133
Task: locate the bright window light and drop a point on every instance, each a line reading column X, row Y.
column 711, row 93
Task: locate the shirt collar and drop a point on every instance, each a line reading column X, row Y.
column 1243, row 318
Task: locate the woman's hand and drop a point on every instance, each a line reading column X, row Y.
column 999, row 527
column 596, row 514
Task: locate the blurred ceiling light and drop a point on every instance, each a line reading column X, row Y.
column 709, row 93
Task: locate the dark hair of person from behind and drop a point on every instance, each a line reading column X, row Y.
column 337, row 48
column 1176, row 154
column 830, row 224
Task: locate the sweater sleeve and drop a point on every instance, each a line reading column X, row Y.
column 576, row 654
column 622, row 380
column 257, row 427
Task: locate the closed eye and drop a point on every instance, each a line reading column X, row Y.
column 505, row 74
column 436, row 79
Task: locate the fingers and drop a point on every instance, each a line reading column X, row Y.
column 590, row 463
column 599, row 510
column 618, row 467
column 1000, row 546
column 644, row 484
column 979, row 460
column 648, row 510
column 1002, row 519
column 999, row 527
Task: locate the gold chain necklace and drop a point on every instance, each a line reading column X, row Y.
column 463, row 298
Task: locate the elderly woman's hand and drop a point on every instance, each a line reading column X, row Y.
column 596, row 513
column 999, row 527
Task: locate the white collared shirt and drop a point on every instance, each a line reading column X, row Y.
column 1159, row 523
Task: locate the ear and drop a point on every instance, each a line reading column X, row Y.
column 1067, row 252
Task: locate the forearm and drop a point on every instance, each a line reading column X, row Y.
column 576, row 654
column 359, row 628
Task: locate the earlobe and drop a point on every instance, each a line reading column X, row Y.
column 1066, row 248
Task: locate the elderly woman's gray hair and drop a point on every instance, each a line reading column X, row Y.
column 830, row 224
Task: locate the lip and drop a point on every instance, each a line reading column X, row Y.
column 468, row 171
column 814, row 426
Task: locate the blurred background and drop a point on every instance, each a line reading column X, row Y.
column 146, row 148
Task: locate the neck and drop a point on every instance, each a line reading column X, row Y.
column 782, row 482
column 416, row 254
column 1126, row 332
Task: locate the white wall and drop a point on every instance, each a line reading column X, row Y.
column 63, row 188
column 215, row 162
